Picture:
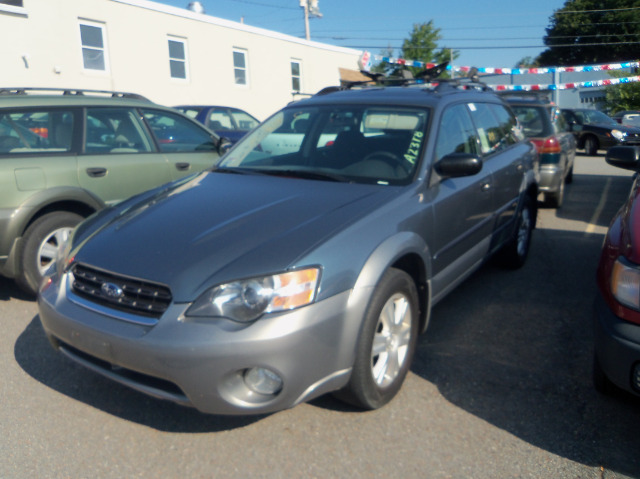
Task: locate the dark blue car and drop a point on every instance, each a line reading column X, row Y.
column 227, row 122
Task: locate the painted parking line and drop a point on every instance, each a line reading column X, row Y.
column 591, row 227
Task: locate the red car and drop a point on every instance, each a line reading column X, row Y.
column 617, row 305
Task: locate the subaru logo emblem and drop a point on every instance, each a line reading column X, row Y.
column 112, row 290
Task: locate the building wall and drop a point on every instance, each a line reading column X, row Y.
column 42, row 48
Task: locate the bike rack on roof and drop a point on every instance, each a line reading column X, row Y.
column 404, row 77
column 71, row 91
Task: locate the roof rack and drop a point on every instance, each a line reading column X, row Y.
column 404, row 77
column 527, row 94
column 72, row 91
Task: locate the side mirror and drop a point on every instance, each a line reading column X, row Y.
column 626, row 157
column 224, row 145
column 456, row 165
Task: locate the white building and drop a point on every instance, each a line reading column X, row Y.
column 170, row 55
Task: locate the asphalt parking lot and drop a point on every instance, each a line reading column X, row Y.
column 500, row 388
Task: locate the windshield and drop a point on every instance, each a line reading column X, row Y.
column 340, row 143
column 594, row 116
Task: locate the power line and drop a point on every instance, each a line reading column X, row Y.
column 487, row 39
column 260, row 4
column 492, row 47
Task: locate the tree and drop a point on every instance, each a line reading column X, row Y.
column 421, row 46
column 527, row 62
column 592, row 31
column 624, row 96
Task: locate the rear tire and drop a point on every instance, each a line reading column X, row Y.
column 387, row 343
column 514, row 253
column 569, row 178
column 555, row 199
column 42, row 241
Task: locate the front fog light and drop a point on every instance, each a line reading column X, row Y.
column 263, row 381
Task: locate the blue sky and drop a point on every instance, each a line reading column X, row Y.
column 496, row 33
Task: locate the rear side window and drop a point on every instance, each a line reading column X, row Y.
column 456, row 133
column 175, row 133
column 491, row 131
column 36, row 131
column 509, row 125
column 115, row 130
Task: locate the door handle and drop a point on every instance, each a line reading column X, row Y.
column 181, row 166
column 485, row 187
column 96, row 172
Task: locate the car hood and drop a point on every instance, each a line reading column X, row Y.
column 219, row 227
column 608, row 126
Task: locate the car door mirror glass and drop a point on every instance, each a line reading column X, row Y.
column 457, row 165
column 626, row 157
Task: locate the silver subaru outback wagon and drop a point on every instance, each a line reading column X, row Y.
column 307, row 261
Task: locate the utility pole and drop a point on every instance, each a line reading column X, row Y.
column 311, row 9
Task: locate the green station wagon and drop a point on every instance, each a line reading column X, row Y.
column 65, row 156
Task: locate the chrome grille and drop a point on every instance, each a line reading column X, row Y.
column 120, row 292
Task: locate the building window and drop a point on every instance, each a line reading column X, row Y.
column 240, row 67
column 93, row 46
column 296, row 75
column 178, row 58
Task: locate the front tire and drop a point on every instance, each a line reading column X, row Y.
column 590, row 146
column 387, row 342
column 42, row 241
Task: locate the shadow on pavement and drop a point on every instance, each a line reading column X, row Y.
column 587, row 192
column 37, row 358
column 515, row 349
column 9, row 290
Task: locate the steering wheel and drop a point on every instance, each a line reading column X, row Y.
column 389, row 158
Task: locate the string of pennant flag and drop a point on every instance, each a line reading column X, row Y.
column 366, row 61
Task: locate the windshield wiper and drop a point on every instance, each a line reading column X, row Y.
column 309, row 175
column 236, row 171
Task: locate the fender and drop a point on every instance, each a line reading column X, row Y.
column 51, row 199
column 388, row 254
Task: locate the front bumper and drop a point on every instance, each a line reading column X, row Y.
column 200, row 363
column 617, row 346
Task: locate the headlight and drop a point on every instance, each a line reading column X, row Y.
column 62, row 255
column 246, row 300
column 625, row 283
column 618, row 135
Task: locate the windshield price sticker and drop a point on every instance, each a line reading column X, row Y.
column 412, row 154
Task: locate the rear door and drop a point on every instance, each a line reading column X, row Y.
column 187, row 145
column 504, row 155
column 119, row 158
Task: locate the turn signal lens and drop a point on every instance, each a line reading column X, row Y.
column 625, row 284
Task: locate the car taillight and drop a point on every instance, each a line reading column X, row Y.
column 43, row 132
column 547, row 145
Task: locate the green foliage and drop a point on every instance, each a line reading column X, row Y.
column 527, row 62
column 624, row 96
column 421, row 46
column 578, row 30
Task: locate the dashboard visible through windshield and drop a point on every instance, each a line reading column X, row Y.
column 341, row 143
